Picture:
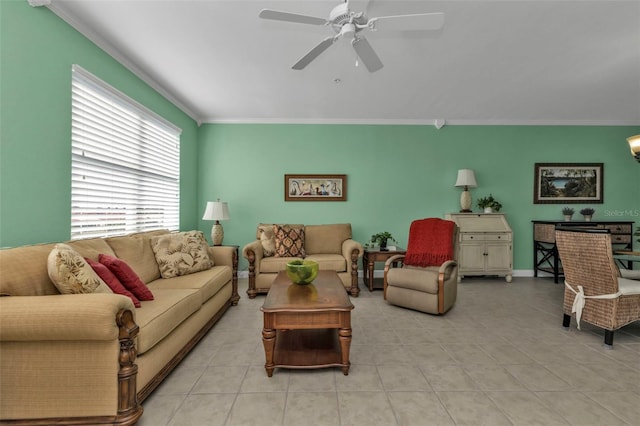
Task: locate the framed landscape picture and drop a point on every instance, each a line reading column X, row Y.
column 315, row 187
column 564, row 183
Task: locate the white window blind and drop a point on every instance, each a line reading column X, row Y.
column 125, row 165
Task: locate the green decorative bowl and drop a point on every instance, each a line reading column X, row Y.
column 302, row 271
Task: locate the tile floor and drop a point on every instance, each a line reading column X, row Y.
column 499, row 357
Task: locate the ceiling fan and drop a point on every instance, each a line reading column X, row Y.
column 348, row 24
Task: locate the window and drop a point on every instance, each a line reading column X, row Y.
column 125, row 163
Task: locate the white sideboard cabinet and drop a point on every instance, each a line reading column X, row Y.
column 485, row 244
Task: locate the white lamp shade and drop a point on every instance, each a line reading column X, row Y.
column 466, row 177
column 216, row 210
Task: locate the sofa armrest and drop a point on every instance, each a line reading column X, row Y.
column 348, row 246
column 223, row 255
column 62, row 317
column 253, row 252
column 228, row 256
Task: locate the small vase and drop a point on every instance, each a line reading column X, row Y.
column 587, row 218
column 567, row 218
column 488, row 210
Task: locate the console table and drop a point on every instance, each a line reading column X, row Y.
column 545, row 252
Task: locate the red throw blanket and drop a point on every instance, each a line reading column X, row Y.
column 430, row 242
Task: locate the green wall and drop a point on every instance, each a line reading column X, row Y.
column 37, row 51
column 395, row 173
column 399, row 173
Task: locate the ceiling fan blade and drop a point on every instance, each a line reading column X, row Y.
column 314, row 53
column 420, row 21
column 366, row 54
column 291, row 17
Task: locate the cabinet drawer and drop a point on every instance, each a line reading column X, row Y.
column 486, row 237
column 618, row 228
column 620, row 239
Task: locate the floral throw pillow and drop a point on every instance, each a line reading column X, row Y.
column 289, row 241
column 71, row 274
column 181, row 253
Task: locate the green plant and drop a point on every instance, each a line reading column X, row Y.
column 587, row 211
column 568, row 211
column 489, row 202
column 381, row 238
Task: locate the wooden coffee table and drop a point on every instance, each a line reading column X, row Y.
column 307, row 326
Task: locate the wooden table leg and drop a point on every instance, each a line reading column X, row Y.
column 345, row 344
column 370, row 268
column 268, row 341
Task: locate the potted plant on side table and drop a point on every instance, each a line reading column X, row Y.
column 489, row 204
column 567, row 212
column 381, row 238
column 587, row 212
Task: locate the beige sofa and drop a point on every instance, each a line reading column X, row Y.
column 93, row 358
column 330, row 245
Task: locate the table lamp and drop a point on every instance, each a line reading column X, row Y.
column 634, row 144
column 216, row 210
column 466, row 179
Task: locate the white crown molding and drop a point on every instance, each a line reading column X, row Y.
column 38, row 3
column 423, row 122
column 115, row 54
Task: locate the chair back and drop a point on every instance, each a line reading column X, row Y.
column 587, row 260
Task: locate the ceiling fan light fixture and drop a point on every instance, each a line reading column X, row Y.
column 348, row 31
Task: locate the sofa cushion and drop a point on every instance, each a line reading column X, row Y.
column 71, row 274
column 91, row 247
column 135, row 249
column 23, row 271
column 127, row 276
column 275, row 264
column 420, row 279
column 335, row 262
column 322, row 239
column 157, row 318
column 207, row 282
column 112, row 281
column 289, row 241
column 182, row 253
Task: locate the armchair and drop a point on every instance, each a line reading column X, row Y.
column 426, row 277
column 594, row 289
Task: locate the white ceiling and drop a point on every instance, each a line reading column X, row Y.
column 494, row 62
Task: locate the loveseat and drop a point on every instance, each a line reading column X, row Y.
column 92, row 358
column 277, row 244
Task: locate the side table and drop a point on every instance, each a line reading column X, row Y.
column 373, row 255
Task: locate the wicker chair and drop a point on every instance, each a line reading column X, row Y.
column 594, row 290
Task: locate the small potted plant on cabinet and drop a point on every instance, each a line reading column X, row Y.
column 381, row 238
column 587, row 212
column 489, row 204
column 567, row 212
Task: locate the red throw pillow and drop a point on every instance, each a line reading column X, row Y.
column 127, row 276
column 112, row 281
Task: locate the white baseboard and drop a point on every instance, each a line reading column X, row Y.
column 378, row 273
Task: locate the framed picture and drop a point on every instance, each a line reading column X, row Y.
column 315, row 187
column 565, row 183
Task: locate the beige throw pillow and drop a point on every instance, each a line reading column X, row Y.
column 71, row 274
column 267, row 240
column 181, row 253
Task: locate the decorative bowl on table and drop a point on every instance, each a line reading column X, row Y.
column 302, row 271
